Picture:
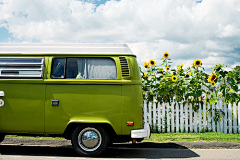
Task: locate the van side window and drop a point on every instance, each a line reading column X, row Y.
column 58, row 67
column 91, row 68
column 84, row 68
column 21, row 67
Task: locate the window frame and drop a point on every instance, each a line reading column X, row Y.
column 17, row 64
column 65, row 67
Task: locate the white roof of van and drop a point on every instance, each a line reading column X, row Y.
column 73, row 48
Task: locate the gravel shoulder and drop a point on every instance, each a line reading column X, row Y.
column 177, row 145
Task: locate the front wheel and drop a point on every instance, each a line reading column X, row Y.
column 90, row 140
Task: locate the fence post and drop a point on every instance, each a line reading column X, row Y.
column 172, row 118
column 230, row 118
column 177, row 117
column 234, row 118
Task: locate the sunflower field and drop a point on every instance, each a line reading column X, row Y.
column 189, row 84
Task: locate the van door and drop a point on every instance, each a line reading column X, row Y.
column 21, row 81
column 87, row 91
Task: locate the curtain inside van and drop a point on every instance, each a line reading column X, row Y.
column 91, row 68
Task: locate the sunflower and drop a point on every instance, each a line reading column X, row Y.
column 152, row 62
column 181, row 66
column 231, row 90
column 167, row 68
column 213, row 83
column 145, row 65
column 145, row 76
column 163, row 79
column 174, row 78
column 212, row 77
column 197, row 62
column 165, row 55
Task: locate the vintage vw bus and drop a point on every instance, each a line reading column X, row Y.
column 88, row 93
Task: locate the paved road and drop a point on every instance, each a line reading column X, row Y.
column 23, row 151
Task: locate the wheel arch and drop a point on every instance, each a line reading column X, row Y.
column 72, row 126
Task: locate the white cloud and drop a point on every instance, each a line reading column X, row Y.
column 187, row 30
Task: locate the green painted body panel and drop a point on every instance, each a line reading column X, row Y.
column 28, row 108
column 23, row 110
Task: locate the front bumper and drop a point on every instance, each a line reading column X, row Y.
column 142, row 133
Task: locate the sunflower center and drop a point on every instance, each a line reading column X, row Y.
column 174, row 78
column 198, row 62
column 152, row 62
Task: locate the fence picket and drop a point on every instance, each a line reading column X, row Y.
column 225, row 119
column 218, row 123
column 145, row 111
column 181, row 117
column 213, row 121
column 209, row 118
column 154, row 115
column 238, row 117
column 200, row 118
column 186, row 118
column 221, row 114
column 168, row 119
column 163, row 118
column 195, row 122
column 234, row 118
column 230, row 118
column 177, row 118
column 172, row 118
column 190, row 118
column 159, row 117
column 204, row 117
column 150, row 113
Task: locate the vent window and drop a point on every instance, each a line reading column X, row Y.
column 124, row 67
column 21, row 67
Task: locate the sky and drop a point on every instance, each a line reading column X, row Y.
column 187, row 29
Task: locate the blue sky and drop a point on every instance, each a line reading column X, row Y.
column 187, row 29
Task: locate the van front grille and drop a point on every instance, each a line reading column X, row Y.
column 124, row 67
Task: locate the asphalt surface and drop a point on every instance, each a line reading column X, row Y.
column 28, row 149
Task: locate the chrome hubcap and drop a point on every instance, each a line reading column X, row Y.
column 89, row 139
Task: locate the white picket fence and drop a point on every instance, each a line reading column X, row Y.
column 176, row 117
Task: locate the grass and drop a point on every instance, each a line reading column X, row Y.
column 194, row 137
column 171, row 137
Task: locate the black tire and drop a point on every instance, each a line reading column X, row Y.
column 90, row 140
column 2, row 136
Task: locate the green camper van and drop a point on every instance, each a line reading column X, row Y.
column 87, row 93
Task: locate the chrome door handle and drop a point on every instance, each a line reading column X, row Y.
column 2, row 94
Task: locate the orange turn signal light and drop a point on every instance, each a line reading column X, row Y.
column 130, row 123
